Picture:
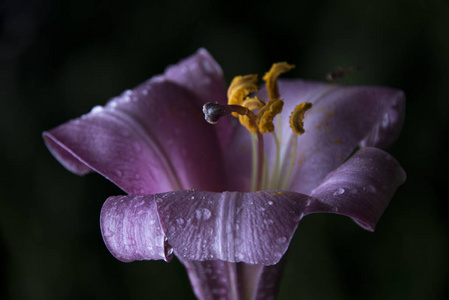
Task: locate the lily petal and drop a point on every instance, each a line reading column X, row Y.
column 203, row 76
column 255, row 228
column 216, row 279
column 131, row 229
column 341, row 119
column 140, row 143
column 361, row 188
column 213, row 279
column 200, row 74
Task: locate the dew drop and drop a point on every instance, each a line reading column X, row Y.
column 118, row 173
column 268, row 221
column 282, row 240
column 207, row 66
column 371, row 188
column 339, row 191
column 96, row 109
column 270, row 202
column 171, row 230
column 203, row 214
column 180, row 221
column 385, row 120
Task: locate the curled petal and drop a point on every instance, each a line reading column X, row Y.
column 361, row 188
column 131, row 229
column 255, row 228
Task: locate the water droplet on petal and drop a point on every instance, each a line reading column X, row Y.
column 96, row 109
column 180, row 221
column 339, row 191
column 270, row 202
column 207, row 66
column 118, row 173
column 371, row 188
column 268, row 221
column 282, row 240
column 203, row 214
column 385, row 120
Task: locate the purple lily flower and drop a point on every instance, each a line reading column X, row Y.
column 192, row 186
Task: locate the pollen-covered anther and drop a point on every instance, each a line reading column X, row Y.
column 270, row 78
column 297, row 117
column 240, row 88
column 251, row 104
column 266, row 115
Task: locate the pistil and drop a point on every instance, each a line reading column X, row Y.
column 214, row 111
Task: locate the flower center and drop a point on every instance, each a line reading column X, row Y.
column 258, row 117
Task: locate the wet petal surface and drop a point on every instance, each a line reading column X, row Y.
column 143, row 144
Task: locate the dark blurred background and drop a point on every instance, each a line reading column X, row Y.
column 58, row 59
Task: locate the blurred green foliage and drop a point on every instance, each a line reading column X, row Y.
column 60, row 58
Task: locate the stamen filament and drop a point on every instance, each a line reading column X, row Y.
column 265, row 174
column 276, row 169
column 292, row 162
column 254, row 162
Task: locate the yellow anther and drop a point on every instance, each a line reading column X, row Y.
column 267, row 113
column 246, row 121
column 297, row 116
column 270, row 78
column 253, row 103
column 241, row 87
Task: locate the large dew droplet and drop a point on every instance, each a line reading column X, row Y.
column 203, row 214
column 96, row 109
column 339, row 191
